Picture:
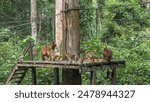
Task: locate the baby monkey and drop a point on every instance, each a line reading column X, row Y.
column 75, row 58
column 72, row 58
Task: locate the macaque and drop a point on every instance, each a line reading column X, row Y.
column 90, row 56
column 53, row 46
column 81, row 58
column 48, row 52
column 54, row 55
column 45, row 52
column 107, row 56
column 73, row 58
column 70, row 57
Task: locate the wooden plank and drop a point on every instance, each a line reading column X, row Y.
column 66, row 62
column 12, row 73
column 120, row 62
column 85, row 68
column 85, row 64
column 34, row 82
column 94, row 68
column 48, row 66
column 48, row 62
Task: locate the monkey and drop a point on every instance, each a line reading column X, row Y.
column 70, row 57
column 57, row 56
column 107, row 56
column 53, row 54
column 53, row 45
column 90, row 56
column 45, row 52
column 48, row 52
column 81, row 60
column 74, row 58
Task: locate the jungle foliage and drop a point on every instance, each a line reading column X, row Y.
column 121, row 25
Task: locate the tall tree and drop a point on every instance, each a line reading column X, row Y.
column 34, row 34
column 67, row 34
column 33, row 20
column 72, row 39
column 59, row 23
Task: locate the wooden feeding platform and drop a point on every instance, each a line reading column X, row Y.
column 85, row 66
column 82, row 67
column 21, row 67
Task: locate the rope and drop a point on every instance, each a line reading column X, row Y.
column 19, row 25
column 25, row 28
column 10, row 22
column 27, row 23
column 60, row 13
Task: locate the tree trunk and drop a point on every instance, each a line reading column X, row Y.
column 59, row 24
column 34, row 35
column 72, row 39
column 67, row 36
column 99, row 15
column 33, row 20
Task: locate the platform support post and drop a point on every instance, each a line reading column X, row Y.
column 34, row 81
column 93, row 78
column 56, row 76
column 113, row 81
column 71, row 40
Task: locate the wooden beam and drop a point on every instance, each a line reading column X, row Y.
column 56, row 76
column 12, row 72
column 48, row 66
column 114, row 81
column 65, row 64
column 34, row 82
column 93, row 78
column 88, row 64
